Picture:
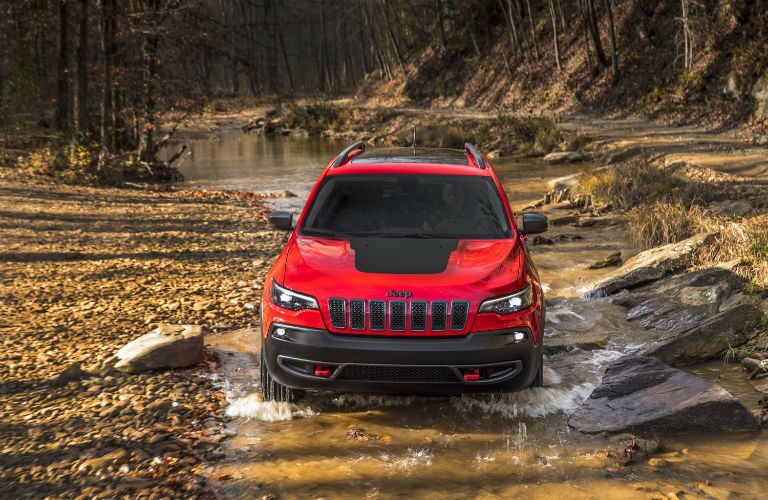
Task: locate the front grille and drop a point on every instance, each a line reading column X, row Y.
column 378, row 373
column 378, row 315
column 414, row 316
column 357, row 314
column 418, row 316
column 397, row 315
column 459, row 310
column 338, row 312
column 438, row 316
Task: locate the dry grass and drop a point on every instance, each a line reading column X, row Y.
column 640, row 182
column 745, row 241
column 662, row 222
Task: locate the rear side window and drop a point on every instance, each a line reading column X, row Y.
column 402, row 205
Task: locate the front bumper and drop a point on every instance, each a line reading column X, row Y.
column 401, row 365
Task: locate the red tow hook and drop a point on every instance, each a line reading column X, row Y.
column 472, row 375
column 321, row 371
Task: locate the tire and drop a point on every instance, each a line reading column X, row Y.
column 538, row 381
column 271, row 389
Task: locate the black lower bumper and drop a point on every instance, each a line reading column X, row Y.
column 306, row 358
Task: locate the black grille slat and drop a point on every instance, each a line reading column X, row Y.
column 338, row 312
column 397, row 315
column 418, row 316
column 459, row 311
column 379, row 373
column 357, row 314
column 378, row 315
column 438, row 316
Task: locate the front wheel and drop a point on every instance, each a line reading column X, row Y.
column 271, row 389
column 538, row 381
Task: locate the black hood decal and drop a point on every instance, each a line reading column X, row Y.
column 402, row 255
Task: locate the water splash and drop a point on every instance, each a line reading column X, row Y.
column 253, row 406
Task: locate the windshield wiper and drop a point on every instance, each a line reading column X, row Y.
column 323, row 232
column 425, row 236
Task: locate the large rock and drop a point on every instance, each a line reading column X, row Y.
column 729, row 328
column 565, row 157
column 679, row 302
column 167, row 346
column 642, row 395
column 650, row 265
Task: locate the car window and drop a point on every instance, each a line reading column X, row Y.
column 408, row 205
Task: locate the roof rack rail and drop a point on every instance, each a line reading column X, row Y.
column 344, row 155
column 476, row 156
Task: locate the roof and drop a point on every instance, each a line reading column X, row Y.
column 412, row 155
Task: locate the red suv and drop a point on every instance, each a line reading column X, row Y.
column 405, row 273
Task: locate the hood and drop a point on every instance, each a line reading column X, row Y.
column 471, row 270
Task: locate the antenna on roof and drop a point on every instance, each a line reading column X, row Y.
column 413, row 145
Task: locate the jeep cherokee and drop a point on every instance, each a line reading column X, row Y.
column 405, row 273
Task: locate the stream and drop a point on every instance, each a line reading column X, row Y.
column 486, row 446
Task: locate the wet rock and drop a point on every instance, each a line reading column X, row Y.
column 564, row 157
column 611, row 260
column 642, row 395
column 678, row 302
column 755, row 367
column 708, row 339
column 168, row 346
column 650, row 265
column 631, row 449
column 731, row 208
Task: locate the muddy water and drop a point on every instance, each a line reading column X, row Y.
column 490, row 446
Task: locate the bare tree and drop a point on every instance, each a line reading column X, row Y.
column 554, row 34
column 81, row 97
column 63, row 110
column 612, row 32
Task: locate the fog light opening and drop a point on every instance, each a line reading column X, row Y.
column 519, row 337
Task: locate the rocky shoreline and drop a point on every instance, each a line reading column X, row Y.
column 85, row 270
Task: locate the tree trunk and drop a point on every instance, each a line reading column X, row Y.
column 284, row 52
column 554, row 33
column 107, row 47
column 585, row 30
column 392, row 38
column 63, row 100
column 614, row 55
column 533, row 29
column 591, row 17
column 81, row 102
column 441, row 24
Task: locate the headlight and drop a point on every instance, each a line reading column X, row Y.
column 511, row 303
column 289, row 299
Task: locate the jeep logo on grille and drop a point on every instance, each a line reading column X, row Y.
column 395, row 293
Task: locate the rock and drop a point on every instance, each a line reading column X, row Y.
column 731, row 208
column 168, row 346
column 492, row 155
column 755, row 367
column 730, row 328
column 650, row 265
column 604, row 220
column 565, row 157
column 72, row 373
column 612, row 260
column 676, row 303
column 642, row 395
column 562, row 221
column 761, row 386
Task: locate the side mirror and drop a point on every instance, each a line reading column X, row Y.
column 535, row 223
column 281, row 219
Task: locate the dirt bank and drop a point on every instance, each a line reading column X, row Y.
column 84, row 271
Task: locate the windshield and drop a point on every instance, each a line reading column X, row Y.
column 401, row 205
